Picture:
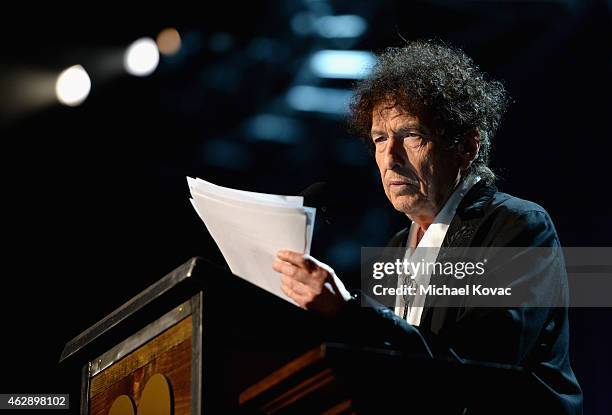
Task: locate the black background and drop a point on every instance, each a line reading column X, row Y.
column 95, row 202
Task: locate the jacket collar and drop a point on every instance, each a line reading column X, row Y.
column 475, row 201
column 468, row 215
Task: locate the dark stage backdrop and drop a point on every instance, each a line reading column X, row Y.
column 95, row 202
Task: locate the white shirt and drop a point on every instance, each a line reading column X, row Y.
column 433, row 238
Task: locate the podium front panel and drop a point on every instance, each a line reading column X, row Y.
column 158, row 366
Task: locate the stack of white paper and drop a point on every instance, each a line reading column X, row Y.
column 250, row 228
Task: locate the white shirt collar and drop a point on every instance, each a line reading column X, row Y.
column 436, row 232
column 433, row 238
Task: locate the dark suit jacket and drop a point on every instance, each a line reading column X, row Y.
column 536, row 338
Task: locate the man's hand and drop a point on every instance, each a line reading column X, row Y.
column 313, row 285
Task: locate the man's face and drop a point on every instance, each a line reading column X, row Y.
column 418, row 175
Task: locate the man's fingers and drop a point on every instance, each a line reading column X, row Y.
column 297, row 273
column 290, row 289
column 296, row 259
column 293, row 275
column 296, row 286
column 305, row 280
column 284, row 268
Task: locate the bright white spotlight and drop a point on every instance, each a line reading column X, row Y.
column 347, row 64
column 142, row 57
column 72, row 86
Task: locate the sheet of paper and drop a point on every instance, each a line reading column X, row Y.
column 243, row 195
column 264, row 207
column 250, row 228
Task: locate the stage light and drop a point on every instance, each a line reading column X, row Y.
column 72, row 86
column 142, row 57
column 168, row 41
column 317, row 99
column 343, row 64
column 274, row 128
column 341, row 26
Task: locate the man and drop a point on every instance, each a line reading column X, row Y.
column 428, row 114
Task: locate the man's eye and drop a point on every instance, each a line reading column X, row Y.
column 379, row 139
column 414, row 138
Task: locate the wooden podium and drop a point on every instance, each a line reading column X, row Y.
column 202, row 334
column 342, row 379
column 201, row 340
column 157, row 332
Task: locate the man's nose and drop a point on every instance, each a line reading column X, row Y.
column 394, row 154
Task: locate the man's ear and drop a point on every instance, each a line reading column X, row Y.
column 469, row 148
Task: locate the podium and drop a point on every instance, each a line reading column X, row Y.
column 207, row 333
column 201, row 340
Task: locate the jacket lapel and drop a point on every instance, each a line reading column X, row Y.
column 468, row 216
column 461, row 231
